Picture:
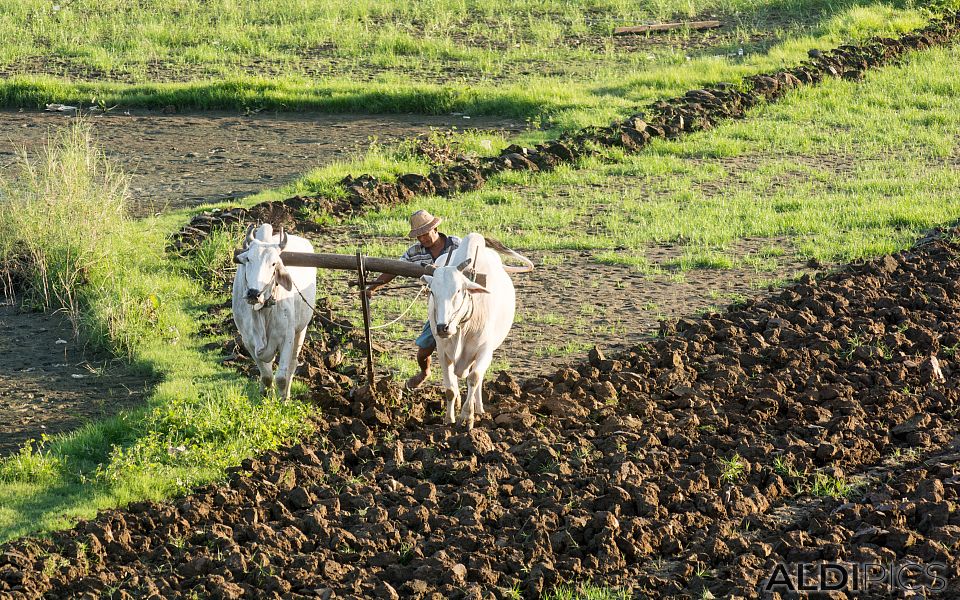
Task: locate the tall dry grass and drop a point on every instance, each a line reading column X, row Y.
column 57, row 216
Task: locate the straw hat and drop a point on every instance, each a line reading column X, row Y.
column 421, row 222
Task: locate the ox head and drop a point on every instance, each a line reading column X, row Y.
column 450, row 297
column 261, row 267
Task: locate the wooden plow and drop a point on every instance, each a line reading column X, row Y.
column 361, row 264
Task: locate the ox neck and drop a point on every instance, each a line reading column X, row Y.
column 469, row 313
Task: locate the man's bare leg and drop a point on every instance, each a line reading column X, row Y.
column 423, row 360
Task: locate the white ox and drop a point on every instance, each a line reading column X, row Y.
column 273, row 304
column 469, row 320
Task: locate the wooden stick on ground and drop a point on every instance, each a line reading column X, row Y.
column 697, row 25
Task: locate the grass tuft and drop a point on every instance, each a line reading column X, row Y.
column 58, row 219
column 586, row 591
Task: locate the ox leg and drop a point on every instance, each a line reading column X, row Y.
column 266, row 375
column 287, row 365
column 294, row 362
column 301, row 337
column 264, row 366
column 451, row 390
column 474, row 403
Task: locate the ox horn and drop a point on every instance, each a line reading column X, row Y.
column 464, row 264
column 249, row 236
column 283, row 239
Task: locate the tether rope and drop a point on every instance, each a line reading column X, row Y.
column 342, row 326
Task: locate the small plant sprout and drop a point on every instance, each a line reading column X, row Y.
column 732, row 469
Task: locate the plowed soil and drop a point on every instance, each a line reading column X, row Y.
column 617, row 470
column 816, row 424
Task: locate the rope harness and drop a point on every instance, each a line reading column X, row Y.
column 351, row 327
column 269, row 299
column 470, row 274
column 468, row 302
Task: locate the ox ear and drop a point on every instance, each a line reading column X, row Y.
column 240, row 256
column 284, row 279
column 426, row 279
column 476, row 288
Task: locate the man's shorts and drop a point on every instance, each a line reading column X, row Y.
column 425, row 340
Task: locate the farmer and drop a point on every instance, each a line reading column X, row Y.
column 431, row 247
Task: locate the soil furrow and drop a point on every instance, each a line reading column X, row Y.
column 696, row 462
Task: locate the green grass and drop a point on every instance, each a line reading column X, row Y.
column 731, row 469
column 492, row 39
column 677, row 168
column 586, row 592
column 843, row 171
column 821, row 484
column 74, row 248
column 829, row 486
column 438, row 56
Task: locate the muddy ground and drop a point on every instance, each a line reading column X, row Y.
column 816, row 424
column 177, row 160
column 51, row 383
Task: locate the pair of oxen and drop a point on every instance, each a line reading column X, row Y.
column 273, row 305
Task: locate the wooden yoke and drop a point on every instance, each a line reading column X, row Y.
column 345, row 262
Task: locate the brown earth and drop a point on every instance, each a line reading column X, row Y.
column 50, row 383
column 177, row 160
column 651, row 470
column 687, row 467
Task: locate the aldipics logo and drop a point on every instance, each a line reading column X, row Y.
column 856, row 577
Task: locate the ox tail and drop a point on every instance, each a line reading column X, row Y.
column 501, row 249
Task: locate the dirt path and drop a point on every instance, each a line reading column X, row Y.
column 50, row 384
column 180, row 160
